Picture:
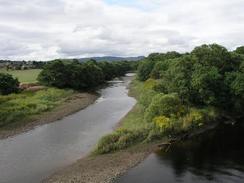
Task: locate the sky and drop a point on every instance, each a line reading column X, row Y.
column 49, row 29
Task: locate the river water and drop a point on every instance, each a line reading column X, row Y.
column 216, row 156
column 30, row 157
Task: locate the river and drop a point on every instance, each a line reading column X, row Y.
column 216, row 156
column 30, row 157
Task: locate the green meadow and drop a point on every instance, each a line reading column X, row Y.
column 16, row 108
column 24, row 76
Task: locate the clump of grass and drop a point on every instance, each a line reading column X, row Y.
column 16, row 108
column 120, row 139
column 134, row 119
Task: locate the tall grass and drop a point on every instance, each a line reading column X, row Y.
column 120, row 139
column 16, row 108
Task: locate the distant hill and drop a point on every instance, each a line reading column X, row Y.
column 112, row 59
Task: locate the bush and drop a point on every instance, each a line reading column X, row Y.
column 162, row 122
column 8, row 84
column 167, row 105
column 198, row 117
column 120, row 139
column 146, row 98
column 150, row 84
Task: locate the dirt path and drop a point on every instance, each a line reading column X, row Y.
column 71, row 105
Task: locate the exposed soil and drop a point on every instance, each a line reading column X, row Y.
column 102, row 168
column 71, row 105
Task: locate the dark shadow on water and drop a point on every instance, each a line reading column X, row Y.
column 215, row 156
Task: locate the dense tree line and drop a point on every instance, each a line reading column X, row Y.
column 76, row 75
column 206, row 79
column 21, row 65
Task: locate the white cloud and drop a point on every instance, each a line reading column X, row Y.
column 44, row 29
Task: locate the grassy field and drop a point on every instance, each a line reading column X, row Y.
column 24, row 76
column 16, row 108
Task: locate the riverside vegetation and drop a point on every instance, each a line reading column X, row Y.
column 178, row 93
column 17, row 108
column 62, row 79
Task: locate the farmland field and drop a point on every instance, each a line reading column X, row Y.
column 24, row 76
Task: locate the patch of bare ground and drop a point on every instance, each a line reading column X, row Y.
column 102, row 168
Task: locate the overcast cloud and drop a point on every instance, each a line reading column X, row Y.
column 48, row 29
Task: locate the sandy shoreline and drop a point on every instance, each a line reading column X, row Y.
column 72, row 104
column 102, row 168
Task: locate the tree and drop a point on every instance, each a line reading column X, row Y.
column 213, row 55
column 159, row 68
column 79, row 76
column 207, row 76
column 240, row 50
column 93, row 74
column 108, row 70
column 54, row 74
column 144, row 70
column 166, row 105
column 208, row 83
column 163, row 56
column 8, row 84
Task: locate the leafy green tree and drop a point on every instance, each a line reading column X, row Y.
column 213, row 55
column 93, row 74
column 177, row 78
column 8, row 84
column 54, row 74
column 163, row 56
column 167, row 105
column 207, row 81
column 146, row 97
column 108, row 70
column 79, row 76
column 159, row 68
column 144, row 70
column 240, row 50
column 235, row 81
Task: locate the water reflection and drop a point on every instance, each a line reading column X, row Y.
column 216, row 156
